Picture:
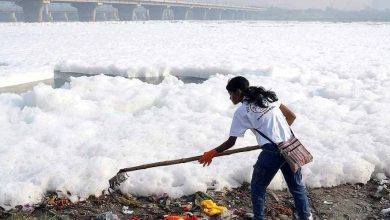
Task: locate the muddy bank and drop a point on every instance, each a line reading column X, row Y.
column 349, row 201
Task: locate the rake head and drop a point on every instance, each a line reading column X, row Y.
column 117, row 180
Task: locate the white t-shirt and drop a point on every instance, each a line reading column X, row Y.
column 270, row 121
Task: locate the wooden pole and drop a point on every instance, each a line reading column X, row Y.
column 188, row 159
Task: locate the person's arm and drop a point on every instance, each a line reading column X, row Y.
column 208, row 156
column 227, row 144
column 290, row 116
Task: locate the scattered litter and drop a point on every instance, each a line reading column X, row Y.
column 59, row 203
column 386, row 212
column 174, row 217
column 4, row 214
column 239, row 212
column 274, row 196
column 376, row 196
column 127, row 201
column 283, row 217
column 28, row 209
column 249, row 215
column 199, row 197
column 282, row 210
column 126, row 210
column 167, row 202
column 385, row 181
column 212, row 185
column 187, row 207
column 211, row 209
column 243, row 214
column 107, row 216
column 328, row 203
column 73, row 198
column 386, row 190
column 188, row 216
column 226, row 215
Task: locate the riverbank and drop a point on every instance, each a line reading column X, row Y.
column 348, row 201
column 24, row 86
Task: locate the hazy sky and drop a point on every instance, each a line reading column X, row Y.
column 303, row 4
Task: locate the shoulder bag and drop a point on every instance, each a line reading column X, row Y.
column 293, row 151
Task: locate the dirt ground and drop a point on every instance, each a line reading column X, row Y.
column 347, row 201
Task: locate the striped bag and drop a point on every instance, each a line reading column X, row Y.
column 293, row 151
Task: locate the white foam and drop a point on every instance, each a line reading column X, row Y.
column 335, row 77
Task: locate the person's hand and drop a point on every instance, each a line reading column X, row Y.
column 208, row 157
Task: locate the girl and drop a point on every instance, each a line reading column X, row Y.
column 261, row 110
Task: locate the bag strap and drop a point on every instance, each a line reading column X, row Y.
column 264, row 136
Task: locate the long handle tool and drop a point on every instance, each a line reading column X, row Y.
column 121, row 176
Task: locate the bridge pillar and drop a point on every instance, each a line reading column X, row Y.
column 246, row 15
column 180, row 12
column 189, row 14
column 200, row 13
column 32, row 9
column 112, row 16
column 125, row 11
column 251, row 15
column 86, row 11
column 72, row 16
column 8, row 16
column 155, row 11
column 19, row 15
column 101, row 16
column 46, row 16
column 214, row 14
column 183, row 13
column 168, row 14
column 140, row 14
column 239, row 15
column 60, row 16
column 227, row 15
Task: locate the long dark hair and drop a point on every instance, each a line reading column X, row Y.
column 252, row 94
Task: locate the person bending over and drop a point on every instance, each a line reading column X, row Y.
column 261, row 110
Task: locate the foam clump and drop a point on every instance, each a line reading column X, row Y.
column 75, row 138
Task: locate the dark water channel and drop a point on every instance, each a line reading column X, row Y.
column 60, row 78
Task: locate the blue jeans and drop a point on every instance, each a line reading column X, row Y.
column 267, row 165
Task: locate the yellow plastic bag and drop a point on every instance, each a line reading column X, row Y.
column 211, row 209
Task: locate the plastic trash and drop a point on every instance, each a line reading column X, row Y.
column 187, row 207
column 328, row 202
column 28, row 209
column 282, row 210
column 59, row 203
column 107, row 216
column 211, row 209
column 126, row 210
column 189, row 216
column 386, row 212
column 174, row 217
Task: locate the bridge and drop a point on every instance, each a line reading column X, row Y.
column 37, row 10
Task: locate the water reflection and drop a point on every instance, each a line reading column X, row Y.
column 60, row 78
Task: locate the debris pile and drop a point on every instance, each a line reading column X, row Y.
column 349, row 201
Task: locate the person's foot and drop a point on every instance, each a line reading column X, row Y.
column 310, row 217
